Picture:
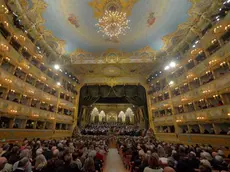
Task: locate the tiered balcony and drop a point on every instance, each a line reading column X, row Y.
column 21, row 111
column 211, row 114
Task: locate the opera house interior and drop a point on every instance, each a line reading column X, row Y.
column 114, row 86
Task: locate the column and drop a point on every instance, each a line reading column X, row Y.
column 189, row 128
column 44, row 125
column 173, row 114
column 201, row 128
column 11, row 123
column 76, row 107
column 35, row 125
column 216, row 128
column 149, row 109
column 23, row 124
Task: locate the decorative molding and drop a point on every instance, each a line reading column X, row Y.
column 100, row 6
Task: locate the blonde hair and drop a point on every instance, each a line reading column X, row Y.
column 40, row 161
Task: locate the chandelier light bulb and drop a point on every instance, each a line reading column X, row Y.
column 56, row 66
column 172, row 64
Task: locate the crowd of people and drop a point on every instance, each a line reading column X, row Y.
column 148, row 155
column 112, row 128
column 86, row 153
column 81, row 154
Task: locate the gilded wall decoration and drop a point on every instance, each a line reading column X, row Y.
column 112, row 81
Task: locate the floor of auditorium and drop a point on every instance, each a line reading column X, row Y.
column 114, row 162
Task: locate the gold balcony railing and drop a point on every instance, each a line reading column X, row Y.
column 21, row 111
column 210, row 114
column 163, row 120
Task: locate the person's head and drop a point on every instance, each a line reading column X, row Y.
column 39, row 151
column 3, row 162
column 15, row 149
column 169, row 169
column 205, row 166
column 218, row 159
column 171, row 162
column 214, row 154
column 154, row 160
column 206, row 155
column 220, row 152
column 67, row 159
column 89, row 164
column 192, row 155
column 75, row 156
column 55, row 153
column 25, row 153
column 40, row 161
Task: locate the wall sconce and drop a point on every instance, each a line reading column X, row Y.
column 223, row 63
column 15, row 37
column 227, row 27
column 6, row 23
column 4, row 47
column 8, row 80
column 200, row 118
column 13, row 111
column 213, row 41
column 35, row 115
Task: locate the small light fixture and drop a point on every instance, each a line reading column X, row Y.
column 166, row 68
column 58, row 83
column 171, row 83
column 56, row 66
column 172, row 64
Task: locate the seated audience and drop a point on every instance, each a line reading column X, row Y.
column 86, row 153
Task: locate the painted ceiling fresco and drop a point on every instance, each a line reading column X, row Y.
column 150, row 20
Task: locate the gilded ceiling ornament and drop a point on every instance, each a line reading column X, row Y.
column 24, row 4
column 100, row 6
column 111, row 81
column 111, row 56
column 182, row 30
column 38, row 6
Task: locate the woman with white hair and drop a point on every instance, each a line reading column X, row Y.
column 40, row 163
column 205, row 166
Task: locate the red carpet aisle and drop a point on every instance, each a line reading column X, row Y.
column 113, row 162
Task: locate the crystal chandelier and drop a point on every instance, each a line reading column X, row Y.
column 113, row 24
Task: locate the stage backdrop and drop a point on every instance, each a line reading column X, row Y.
column 134, row 94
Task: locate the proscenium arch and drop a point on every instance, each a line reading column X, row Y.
column 134, row 94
